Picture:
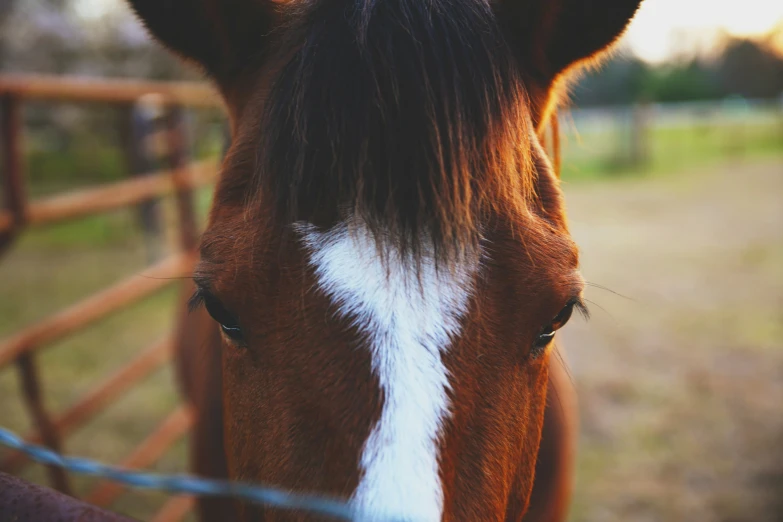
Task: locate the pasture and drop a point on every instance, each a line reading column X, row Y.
column 680, row 381
column 679, row 377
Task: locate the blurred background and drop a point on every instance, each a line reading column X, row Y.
column 673, row 173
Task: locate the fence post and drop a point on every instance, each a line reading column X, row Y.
column 227, row 137
column 639, row 134
column 141, row 119
column 15, row 204
column 779, row 112
column 179, row 157
column 12, row 213
column 31, row 390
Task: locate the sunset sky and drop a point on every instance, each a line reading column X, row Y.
column 662, row 29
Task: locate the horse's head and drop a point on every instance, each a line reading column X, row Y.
column 387, row 254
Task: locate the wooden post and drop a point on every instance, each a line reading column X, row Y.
column 179, row 156
column 14, row 203
column 227, row 135
column 639, row 153
column 779, row 113
column 142, row 162
column 31, row 391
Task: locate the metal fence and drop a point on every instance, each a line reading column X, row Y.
column 17, row 213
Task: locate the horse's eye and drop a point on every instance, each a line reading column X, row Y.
column 546, row 335
column 227, row 321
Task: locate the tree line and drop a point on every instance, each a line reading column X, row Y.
column 743, row 67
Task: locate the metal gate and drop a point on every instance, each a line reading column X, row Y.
column 18, row 213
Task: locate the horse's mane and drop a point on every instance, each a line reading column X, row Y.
column 409, row 113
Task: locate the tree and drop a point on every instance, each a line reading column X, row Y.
column 6, row 8
column 690, row 81
column 620, row 81
column 750, row 69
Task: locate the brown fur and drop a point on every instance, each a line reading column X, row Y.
column 421, row 117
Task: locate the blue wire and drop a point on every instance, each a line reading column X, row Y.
column 182, row 483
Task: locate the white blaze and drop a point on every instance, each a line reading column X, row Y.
column 409, row 322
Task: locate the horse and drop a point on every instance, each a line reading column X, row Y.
column 387, row 258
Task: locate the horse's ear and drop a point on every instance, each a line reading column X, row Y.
column 221, row 36
column 550, row 36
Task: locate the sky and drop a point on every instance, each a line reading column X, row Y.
column 662, row 28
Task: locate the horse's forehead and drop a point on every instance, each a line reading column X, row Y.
column 246, row 248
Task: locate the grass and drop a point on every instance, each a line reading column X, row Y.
column 628, row 425
column 600, row 154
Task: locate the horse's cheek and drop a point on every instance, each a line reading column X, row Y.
column 244, row 389
column 530, row 425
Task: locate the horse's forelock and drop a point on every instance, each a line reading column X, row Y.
column 409, row 113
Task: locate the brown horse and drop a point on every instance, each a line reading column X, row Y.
column 387, row 257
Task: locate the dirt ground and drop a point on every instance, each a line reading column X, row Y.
column 680, row 378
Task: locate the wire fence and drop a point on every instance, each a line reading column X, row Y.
column 187, row 484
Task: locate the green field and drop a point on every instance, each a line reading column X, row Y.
column 53, row 267
column 605, row 152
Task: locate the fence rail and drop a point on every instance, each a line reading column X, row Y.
column 79, row 203
column 17, row 214
column 65, row 89
column 101, row 396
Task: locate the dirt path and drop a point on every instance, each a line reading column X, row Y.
column 681, row 386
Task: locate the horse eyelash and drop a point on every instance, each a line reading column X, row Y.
column 196, row 300
column 202, row 291
column 581, row 307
